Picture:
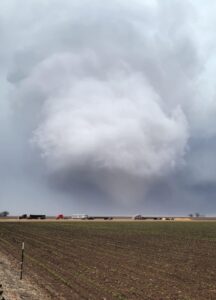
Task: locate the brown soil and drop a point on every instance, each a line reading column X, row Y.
column 102, row 260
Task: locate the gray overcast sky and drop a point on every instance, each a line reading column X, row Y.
column 108, row 107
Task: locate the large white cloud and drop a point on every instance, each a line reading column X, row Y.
column 115, row 88
column 114, row 123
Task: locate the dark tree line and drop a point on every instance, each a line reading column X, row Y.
column 196, row 215
column 4, row 213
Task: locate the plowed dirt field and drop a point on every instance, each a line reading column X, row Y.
column 115, row 260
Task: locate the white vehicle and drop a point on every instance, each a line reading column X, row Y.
column 79, row 217
column 138, row 217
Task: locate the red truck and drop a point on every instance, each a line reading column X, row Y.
column 59, row 217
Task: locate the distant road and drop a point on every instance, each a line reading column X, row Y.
column 103, row 219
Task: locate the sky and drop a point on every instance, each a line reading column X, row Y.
column 108, row 107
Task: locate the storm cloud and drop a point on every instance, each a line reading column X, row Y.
column 111, row 105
